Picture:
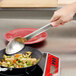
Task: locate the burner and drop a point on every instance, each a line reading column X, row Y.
column 37, row 71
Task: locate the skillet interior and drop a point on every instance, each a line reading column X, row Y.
column 35, row 53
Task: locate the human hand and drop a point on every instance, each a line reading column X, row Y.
column 63, row 15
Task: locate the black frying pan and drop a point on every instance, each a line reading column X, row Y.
column 35, row 53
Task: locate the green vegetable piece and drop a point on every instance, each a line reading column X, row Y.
column 29, row 63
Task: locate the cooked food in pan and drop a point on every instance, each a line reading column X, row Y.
column 18, row 60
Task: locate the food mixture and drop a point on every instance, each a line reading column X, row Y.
column 18, row 60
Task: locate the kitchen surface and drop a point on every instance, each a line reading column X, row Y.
column 61, row 41
column 58, row 42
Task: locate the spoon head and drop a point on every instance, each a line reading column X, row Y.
column 14, row 46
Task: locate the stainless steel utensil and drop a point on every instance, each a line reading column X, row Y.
column 17, row 44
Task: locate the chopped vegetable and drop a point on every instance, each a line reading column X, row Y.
column 17, row 55
column 14, row 61
column 19, row 60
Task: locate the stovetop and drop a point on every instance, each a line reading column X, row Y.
column 48, row 66
column 37, row 71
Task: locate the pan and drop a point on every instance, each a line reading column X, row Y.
column 35, row 54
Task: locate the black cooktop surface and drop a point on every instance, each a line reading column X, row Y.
column 37, row 71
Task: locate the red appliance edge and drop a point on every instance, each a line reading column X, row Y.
column 52, row 62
